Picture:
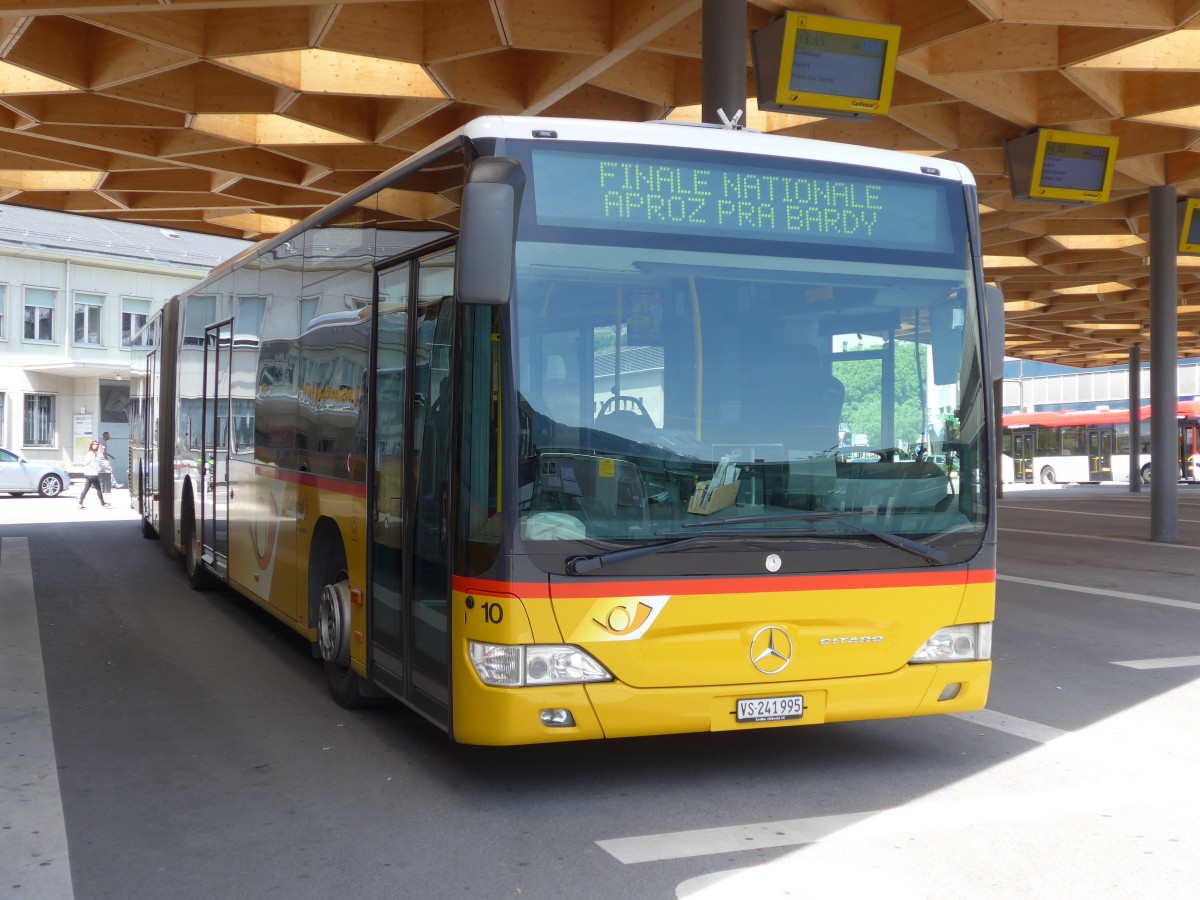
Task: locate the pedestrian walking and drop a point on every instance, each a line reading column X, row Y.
column 105, row 459
column 91, row 471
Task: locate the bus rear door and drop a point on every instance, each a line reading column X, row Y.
column 1100, row 450
column 214, row 494
column 1023, row 456
column 1189, row 449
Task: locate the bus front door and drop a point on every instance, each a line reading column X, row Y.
column 429, row 609
column 214, row 480
column 1100, row 450
column 387, row 506
column 1023, row 457
column 409, row 500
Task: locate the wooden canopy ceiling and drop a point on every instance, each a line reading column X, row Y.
column 241, row 117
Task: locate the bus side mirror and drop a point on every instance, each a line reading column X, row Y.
column 488, row 230
column 993, row 311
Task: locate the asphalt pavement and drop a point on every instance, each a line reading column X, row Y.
column 161, row 743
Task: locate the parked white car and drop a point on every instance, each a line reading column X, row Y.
column 20, row 476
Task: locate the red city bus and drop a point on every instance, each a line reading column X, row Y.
column 1090, row 445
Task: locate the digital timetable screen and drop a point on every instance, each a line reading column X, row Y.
column 1078, row 167
column 724, row 199
column 1189, row 226
column 844, row 65
column 825, row 65
column 1061, row 166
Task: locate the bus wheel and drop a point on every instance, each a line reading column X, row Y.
column 198, row 576
column 1047, row 475
column 148, row 531
column 333, row 640
column 1146, row 473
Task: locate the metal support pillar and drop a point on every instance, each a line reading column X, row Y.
column 1135, row 405
column 723, row 60
column 1164, row 351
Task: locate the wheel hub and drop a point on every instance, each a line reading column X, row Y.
column 334, row 623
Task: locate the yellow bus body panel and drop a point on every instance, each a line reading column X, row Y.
column 683, row 665
column 272, row 518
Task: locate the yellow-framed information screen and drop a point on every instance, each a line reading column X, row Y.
column 1189, row 226
column 1061, row 166
column 811, row 63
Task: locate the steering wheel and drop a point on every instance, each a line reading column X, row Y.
column 623, row 403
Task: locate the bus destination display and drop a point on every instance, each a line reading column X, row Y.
column 844, row 65
column 1076, row 167
column 589, row 190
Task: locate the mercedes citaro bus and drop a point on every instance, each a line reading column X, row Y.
column 544, row 433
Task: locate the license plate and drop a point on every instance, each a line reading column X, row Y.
column 770, row 709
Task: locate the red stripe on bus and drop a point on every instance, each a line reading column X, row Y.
column 591, row 587
column 320, row 482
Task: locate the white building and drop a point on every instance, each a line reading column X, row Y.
column 73, row 293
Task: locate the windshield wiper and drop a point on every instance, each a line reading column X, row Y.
column 932, row 555
column 585, row 565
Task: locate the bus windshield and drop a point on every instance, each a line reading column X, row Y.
column 706, row 343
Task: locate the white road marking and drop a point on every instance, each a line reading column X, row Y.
column 793, row 832
column 1077, row 512
column 926, row 816
column 710, row 841
column 1033, row 731
column 1168, row 662
column 1072, row 818
column 1101, row 592
column 1100, row 537
column 1074, row 512
column 33, row 851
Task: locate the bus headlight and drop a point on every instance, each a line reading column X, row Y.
column 505, row 665
column 957, row 643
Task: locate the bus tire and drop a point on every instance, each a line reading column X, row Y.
column 149, row 532
column 1047, row 475
column 198, row 576
column 1146, row 473
column 333, row 626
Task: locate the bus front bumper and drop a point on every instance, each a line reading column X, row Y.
column 505, row 716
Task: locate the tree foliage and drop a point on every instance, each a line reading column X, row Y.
column 862, row 412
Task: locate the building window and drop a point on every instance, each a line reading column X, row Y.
column 247, row 324
column 3, row 314
column 134, row 314
column 89, row 313
column 39, row 314
column 198, row 314
column 39, row 420
column 308, row 309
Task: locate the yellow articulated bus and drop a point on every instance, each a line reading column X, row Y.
column 565, row 430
